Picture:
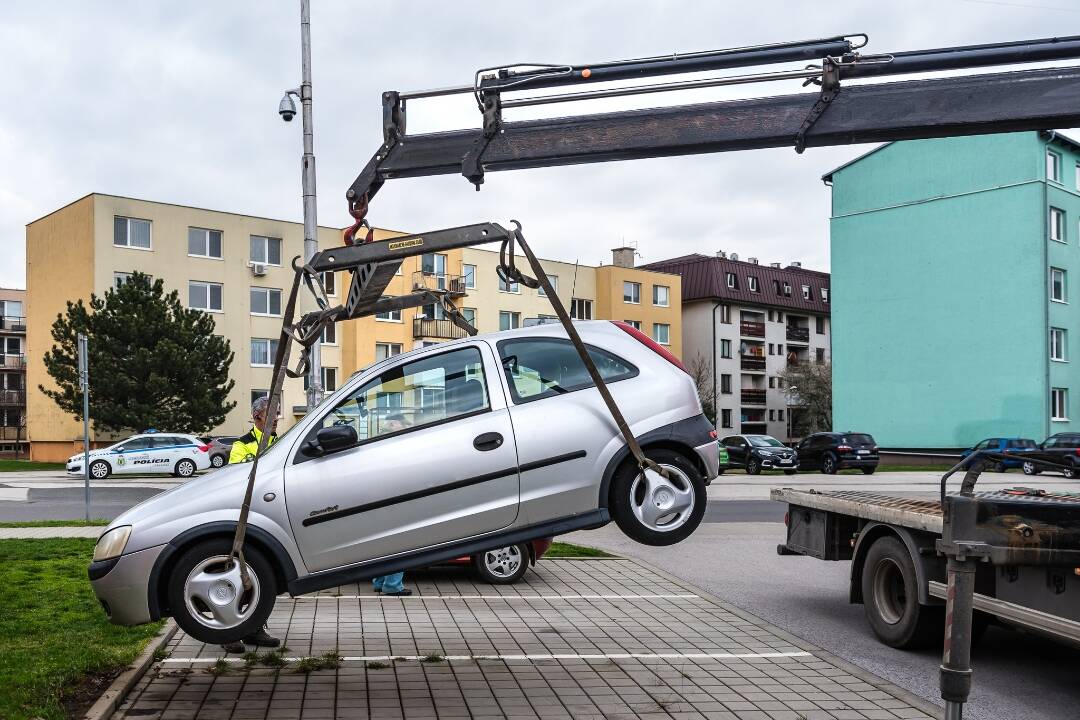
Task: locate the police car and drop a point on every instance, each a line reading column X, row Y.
column 150, row 452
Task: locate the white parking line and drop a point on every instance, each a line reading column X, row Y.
column 556, row 656
column 677, row 596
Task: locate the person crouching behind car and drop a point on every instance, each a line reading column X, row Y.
column 244, row 450
column 393, row 584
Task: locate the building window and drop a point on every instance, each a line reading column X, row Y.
column 1053, row 166
column 1058, row 344
column 771, row 349
column 507, row 286
column 779, row 316
column 661, row 333
column 780, row 415
column 732, row 282
column 329, row 334
column 660, row 295
column 819, row 325
column 265, row 301
column 805, row 292
column 392, row 316
column 119, row 278
column 469, row 273
column 725, row 348
column 554, row 286
column 787, row 289
column 636, row 324
column 1057, row 224
column 131, row 232
column 581, row 309
column 1058, row 289
column 772, row 313
column 631, row 292
column 386, row 350
column 204, row 296
column 776, row 287
column 256, row 394
column 752, row 283
column 725, row 384
column 204, row 243
column 12, row 346
column 820, row 354
column 780, row 348
column 824, row 295
column 1059, row 404
column 509, row 320
column 725, row 314
column 725, row 418
column 772, row 382
column 265, row 250
column 263, row 351
column 329, row 282
column 1078, row 176
column 772, row 415
column 329, row 379
column 470, row 315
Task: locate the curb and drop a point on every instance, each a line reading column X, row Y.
column 111, row 699
column 901, row 694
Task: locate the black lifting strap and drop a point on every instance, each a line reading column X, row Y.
column 507, row 268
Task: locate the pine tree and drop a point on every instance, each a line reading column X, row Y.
column 153, row 363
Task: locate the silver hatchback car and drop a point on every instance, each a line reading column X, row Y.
column 442, row 452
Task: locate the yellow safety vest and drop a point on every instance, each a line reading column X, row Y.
column 244, row 449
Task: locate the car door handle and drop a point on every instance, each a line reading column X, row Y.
column 487, row 441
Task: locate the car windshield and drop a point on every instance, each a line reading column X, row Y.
column 858, row 439
column 764, row 441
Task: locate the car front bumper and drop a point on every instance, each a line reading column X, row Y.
column 775, row 463
column 122, row 585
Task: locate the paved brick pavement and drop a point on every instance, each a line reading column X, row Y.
column 576, row 639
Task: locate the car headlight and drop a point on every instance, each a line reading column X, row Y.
column 112, row 543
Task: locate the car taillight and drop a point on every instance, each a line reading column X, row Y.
column 843, row 448
column 650, row 343
column 203, row 448
column 712, row 434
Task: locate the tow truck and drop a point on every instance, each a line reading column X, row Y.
column 1025, row 536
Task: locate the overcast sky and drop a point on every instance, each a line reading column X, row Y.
column 177, row 102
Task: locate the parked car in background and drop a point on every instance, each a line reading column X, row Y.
column 1063, row 449
column 1009, row 445
column 831, row 452
column 220, row 447
column 725, row 460
column 153, row 452
column 505, row 565
column 754, row 453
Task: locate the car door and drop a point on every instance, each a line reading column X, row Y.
column 736, row 447
column 435, row 462
column 808, row 458
column 131, row 456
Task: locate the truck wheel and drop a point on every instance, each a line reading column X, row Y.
column 891, row 598
column 658, row 510
column 828, row 464
column 502, row 566
column 206, row 594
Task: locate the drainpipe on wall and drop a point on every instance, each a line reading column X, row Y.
column 715, row 390
column 1046, row 288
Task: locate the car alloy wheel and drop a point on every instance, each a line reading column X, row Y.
column 1029, row 468
column 828, row 465
column 214, row 594
column 185, row 468
column 753, row 467
column 1068, row 472
column 662, row 504
column 503, row 562
column 217, row 461
column 99, row 469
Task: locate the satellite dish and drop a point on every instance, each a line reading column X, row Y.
column 734, row 256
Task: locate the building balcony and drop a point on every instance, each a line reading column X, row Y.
column 440, row 329
column 12, row 397
column 12, row 433
column 798, row 334
column 753, row 397
column 753, row 363
column 452, row 285
column 13, row 324
column 752, row 329
column 13, row 362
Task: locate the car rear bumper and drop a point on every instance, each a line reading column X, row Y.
column 859, row 462
column 122, row 585
column 710, row 458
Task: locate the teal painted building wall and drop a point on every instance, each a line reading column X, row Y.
column 941, row 259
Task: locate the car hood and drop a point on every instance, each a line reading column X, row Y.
column 93, row 454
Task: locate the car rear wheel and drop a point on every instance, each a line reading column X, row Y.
column 1000, row 467
column 207, row 597
column 828, row 464
column 217, row 461
column 99, row 470
column 185, row 468
column 1029, row 468
column 657, row 510
column 1069, row 472
column 502, row 566
column 891, row 598
column 753, row 467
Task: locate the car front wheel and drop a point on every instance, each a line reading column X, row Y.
column 753, row 467
column 502, row 566
column 1029, row 468
column 657, row 510
column 207, row 597
column 185, row 468
column 99, row 470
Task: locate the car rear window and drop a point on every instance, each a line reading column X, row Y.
column 1021, row 443
column 538, row 368
column 858, row 439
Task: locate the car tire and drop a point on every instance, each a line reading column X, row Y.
column 869, row 470
column 891, row 598
column 1000, row 467
column 753, row 467
column 218, row 460
column 1030, row 468
column 632, row 509
column 99, row 470
column 185, row 468
column 192, row 581
column 829, row 464
column 790, row 472
column 502, row 566
column 1068, row 472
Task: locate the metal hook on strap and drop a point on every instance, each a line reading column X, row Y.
column 358, row 209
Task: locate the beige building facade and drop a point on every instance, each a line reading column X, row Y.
column 13, row 373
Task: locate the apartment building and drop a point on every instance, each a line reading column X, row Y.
column 957, row 263
column 746, row 323
column 13, row 373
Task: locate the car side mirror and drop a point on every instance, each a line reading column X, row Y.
column 331, row 439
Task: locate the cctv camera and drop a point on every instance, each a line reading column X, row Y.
column 287, row 108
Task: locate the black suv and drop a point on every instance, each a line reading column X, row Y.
column 831, row 452
column 754, row 452
column 1063, row 449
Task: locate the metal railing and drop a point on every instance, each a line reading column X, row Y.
column 13, row 362
column 12, row 323
column 753, row 397
column 12, row 397
column 751, row 362
column 442, row 329
column 798, row 334
column 452, row 285
column 12, row 433
column 752, row 329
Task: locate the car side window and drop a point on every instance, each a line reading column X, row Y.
column 538, row 368
column 135, row 444
column 166, row 441
column 982, row 445
column 412, row 395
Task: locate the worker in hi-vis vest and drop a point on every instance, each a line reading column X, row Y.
column 243, row 450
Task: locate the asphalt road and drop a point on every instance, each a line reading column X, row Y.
column 69, row 503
